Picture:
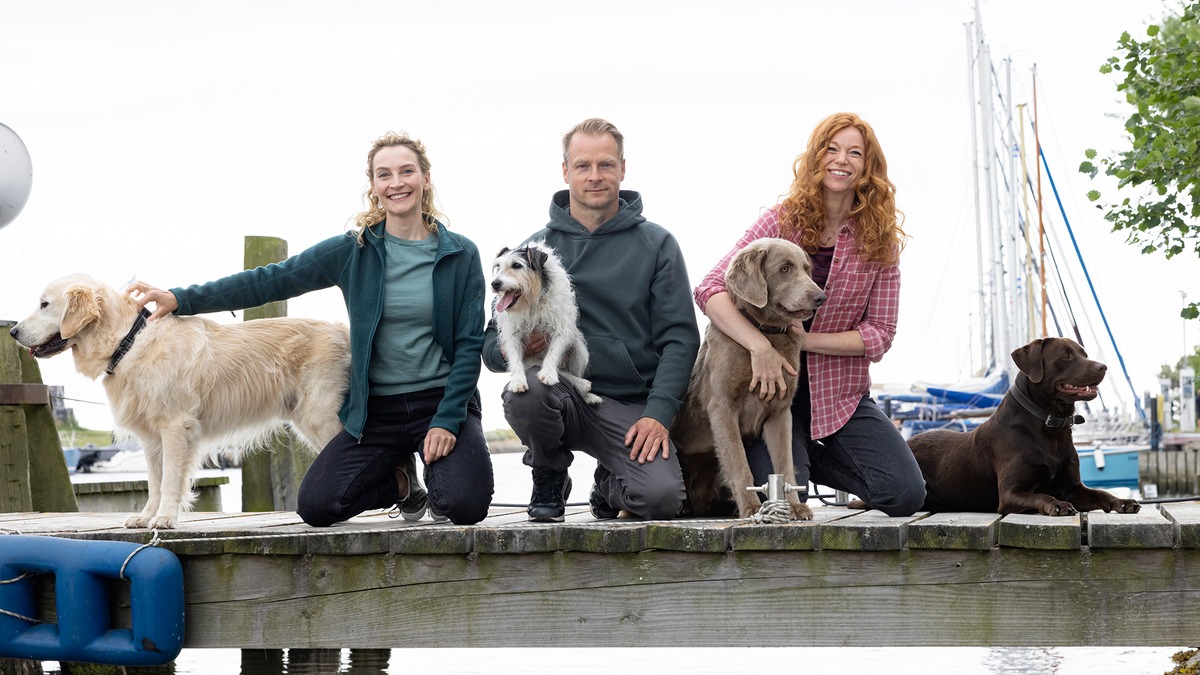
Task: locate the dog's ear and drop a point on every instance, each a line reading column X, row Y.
column 537, row 259
column 83, row 307
column 503, row 251
column 1029, row 360
column 746, row 278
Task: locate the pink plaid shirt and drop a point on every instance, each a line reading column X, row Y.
column 862, row 296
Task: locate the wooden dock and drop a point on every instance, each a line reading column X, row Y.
column 848, row 578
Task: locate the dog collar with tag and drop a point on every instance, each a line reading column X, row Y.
column 127, row 341
column 1051, row 421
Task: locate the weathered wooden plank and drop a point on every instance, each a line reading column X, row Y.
column 608, row 536
column 867, row 531
column 24, row 394
column 575, row 599
column 707, row 536
column 794, row 536
column 1146, row 529
column 1186, row 516
column 954, row 531
column 525, row 538
column 1022, row 530
column 433, row 540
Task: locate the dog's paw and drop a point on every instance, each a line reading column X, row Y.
column 1125, row 506
column 136, row 522
column 749, row 505
column 800, row 511
column 592, row 399
column 1057, row 508
column 517, row 387
column 548, row 377
column 162, row 522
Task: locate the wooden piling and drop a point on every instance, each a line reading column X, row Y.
column 271, row 479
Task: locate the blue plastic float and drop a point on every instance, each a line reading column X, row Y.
column 84, row 632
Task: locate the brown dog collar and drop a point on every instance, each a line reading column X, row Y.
column 1052, row 421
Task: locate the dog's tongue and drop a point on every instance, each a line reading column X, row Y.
column 505, row 301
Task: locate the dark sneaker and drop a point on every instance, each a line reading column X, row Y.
column 416, row 502
column 548, row 503
column 601, row 510
column 437, row 516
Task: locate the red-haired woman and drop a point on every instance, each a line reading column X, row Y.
column 841, row 209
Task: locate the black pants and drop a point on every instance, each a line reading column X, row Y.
column 352, row 475
column 867, row 458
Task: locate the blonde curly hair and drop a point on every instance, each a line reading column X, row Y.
column 375, row 212
column 878, row 228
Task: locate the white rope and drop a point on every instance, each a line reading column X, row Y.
column 24, row 575
column 154, row 541
column 773, row 512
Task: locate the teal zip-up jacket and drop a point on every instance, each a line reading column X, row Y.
column 635, row 306
column 458, row 292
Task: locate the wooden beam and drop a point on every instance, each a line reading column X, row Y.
column 735, row 599
column 24, row 394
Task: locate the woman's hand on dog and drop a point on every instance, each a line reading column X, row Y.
column 438, row 444
column 164, row 301
column 767, row 366
column 646, row 438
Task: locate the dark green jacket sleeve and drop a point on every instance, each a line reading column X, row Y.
column 312, row 269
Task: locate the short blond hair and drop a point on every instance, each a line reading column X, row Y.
column 595, row 126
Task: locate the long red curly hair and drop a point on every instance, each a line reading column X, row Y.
column 878, row 228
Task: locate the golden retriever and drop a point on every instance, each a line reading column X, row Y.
column 769, row 281
column 186, row 385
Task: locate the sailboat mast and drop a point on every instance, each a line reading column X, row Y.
column 1012, row 229
column 984, row 315
column 999, row 319
column 1037, row 143
column 1028, row 299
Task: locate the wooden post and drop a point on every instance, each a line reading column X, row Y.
column 49, row 480
column 14, row 441
column 271, row 479
column 33, row 475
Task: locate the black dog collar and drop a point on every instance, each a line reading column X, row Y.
column 127, row 341
column 1052, row 421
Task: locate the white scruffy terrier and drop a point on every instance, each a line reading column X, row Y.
column 534, row 295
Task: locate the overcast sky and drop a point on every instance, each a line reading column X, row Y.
column 163, row 133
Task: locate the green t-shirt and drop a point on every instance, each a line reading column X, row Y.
column 405, row 358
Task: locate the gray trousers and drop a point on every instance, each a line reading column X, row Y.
column 554, row 421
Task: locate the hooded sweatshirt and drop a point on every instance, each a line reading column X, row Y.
column 635, row 307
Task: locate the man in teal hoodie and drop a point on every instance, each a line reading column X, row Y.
column 635, row 311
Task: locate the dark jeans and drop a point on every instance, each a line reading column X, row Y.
column 353, row 475
column 867, row 458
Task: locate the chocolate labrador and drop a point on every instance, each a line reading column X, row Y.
column 1022, row 459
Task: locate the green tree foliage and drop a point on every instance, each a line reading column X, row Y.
column 1158, row 176
column 1171, row 372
